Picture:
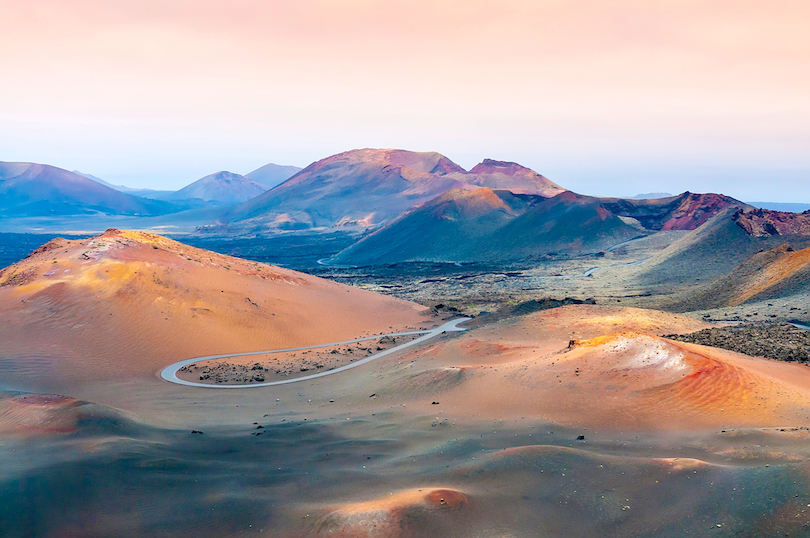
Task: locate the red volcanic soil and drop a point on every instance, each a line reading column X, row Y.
column 129, row 303
column 687, row 211
column 628, row 379
column 695, row 210
column 763, row 222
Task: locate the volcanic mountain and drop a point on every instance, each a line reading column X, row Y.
column 129, row 303
column 28, row 189
column 687, row 211
column 370, row 186
column 487, row 225
column 725, row 241
column 222, row 188
column 270, row 175
column 512, row 177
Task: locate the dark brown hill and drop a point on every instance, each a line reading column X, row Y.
column 486, row 225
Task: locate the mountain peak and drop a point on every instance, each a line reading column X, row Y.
column 491, row 166
column 514, row 177
column 221, row 187
column 425, row 162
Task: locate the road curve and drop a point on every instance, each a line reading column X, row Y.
column 170, row 372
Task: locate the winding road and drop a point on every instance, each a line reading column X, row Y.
column 170, row 372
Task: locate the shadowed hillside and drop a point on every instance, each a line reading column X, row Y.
column 770, row 274
column 486, row 225
column 723, row 243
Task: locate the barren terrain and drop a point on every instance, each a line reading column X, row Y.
column 544, row 418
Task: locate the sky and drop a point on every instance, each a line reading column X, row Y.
column 605, row 97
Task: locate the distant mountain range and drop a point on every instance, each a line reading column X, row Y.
column 651, row 196
column 28, row 189
column 779, row 206
column 222, row 188
column 143, row 193
column 270, row 175
column 371, row 186
column 420, row 206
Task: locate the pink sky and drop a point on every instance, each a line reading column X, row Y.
column 604, row 97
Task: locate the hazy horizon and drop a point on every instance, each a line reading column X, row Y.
column 604, row 99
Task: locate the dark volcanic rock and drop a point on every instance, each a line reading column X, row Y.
column 779, row 341
column 524, row 309
column 764, row 222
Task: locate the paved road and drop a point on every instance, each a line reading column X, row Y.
column 592, row 270
column 170, row 372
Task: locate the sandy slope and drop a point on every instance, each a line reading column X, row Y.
column 126, row 303
column 617, row 374
column 775, row 273
column 475, row 435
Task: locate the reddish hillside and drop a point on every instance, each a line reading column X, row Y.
column 687, row 211
column 618, row 373
column 777, row 272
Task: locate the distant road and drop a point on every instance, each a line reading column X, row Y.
column 592, row 270
column 323, row 261
column 170, row 372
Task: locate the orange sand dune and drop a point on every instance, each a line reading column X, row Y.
column 551, row 330
column 129, row 303
column 625, row 380
column 395, row 515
